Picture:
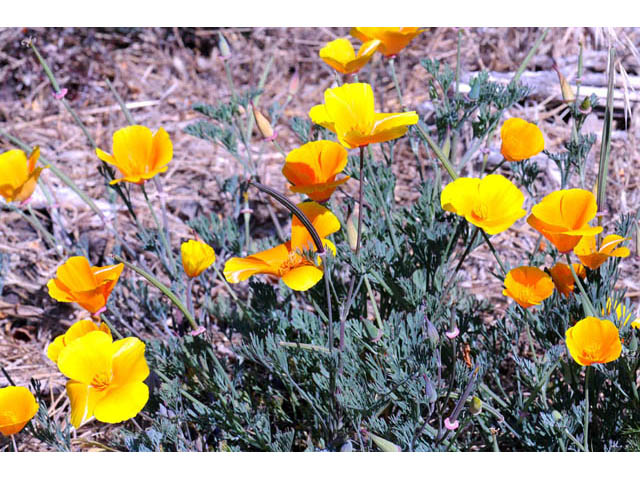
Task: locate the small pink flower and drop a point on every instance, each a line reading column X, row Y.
column 198, row 331
column 453, row 334
column 60, row 95
column 449, row 425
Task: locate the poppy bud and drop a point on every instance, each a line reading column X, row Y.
column 264, row 126
column 352, row 229
column 430, row 391
column 585, row 106
column 241, row 110
column 294, row 83
column 432, row 333
column 567, row 92
column 476, row 406
column 557, row 416
column 225, row 51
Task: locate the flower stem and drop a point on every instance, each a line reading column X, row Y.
column 586, row 303
column 13, row 441
column 495, row 254
column 396, row 83
column 163, row 233
column 190, row 296
column 586, row 409
column 35, row 223
column 360, row 203
column 160, row 286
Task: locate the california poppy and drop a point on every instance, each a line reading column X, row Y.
column 196, row 257
column 563, row 278
column 312, row 169
column 290, row 261
column 340, row 55
column 138, row 154
column 349, row 112
column 563, row 217
column 77, row 281
column 520, row 140
column 17, row 407
column 492, row 203
column 392, row 39
column 593, row 257
column 106, row 377
column 592, row 340
column 74, row 332
column 18, row 174
column 528, row 286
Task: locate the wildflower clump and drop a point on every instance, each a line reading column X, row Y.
column 18, row 174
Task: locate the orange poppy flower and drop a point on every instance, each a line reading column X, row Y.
column 563, row 217
column 340, row 55
column 196, row 257
column 17, row 407
column 75, row 331
column 393, row 39
column 77, row 281
column 18, row 174
column 138, row 154
column 593, row 257
column 563, row 279
column 493, row 203
column 520, row 140
column 289, row 261
column 592, row 340
column 313, row 167
column 528, row 286
column 349, row 112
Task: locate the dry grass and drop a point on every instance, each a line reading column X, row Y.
column 167, row 70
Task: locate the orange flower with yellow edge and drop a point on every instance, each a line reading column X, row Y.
column 492, row 203
column 623, row 314
column 592, row 340
column 312, row 169
column 290, row 261
column 528, row 286
column 340, row 55
column 18, row 174
column 196, row 257
column 563, row 217
column 75, row 331
column 17, row 407
column 106, row 377
column 349, row 112
column 593, row 257
column 392, row 39
column 520, row 140
column 138, row 154
column 77, row 281
column 563, row 279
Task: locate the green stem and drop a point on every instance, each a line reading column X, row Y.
column 35, row 223
column 396, row 83
column 586, row 302
column 163, row 233
column 495, row 254
column 190, row 296
column 163, row 288
column 123, row 106
column 373, row 301
column 586, row 409
column 439, row 153
column 529, row 56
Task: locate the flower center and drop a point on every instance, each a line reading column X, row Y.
column 101, row 381
column 294, row 260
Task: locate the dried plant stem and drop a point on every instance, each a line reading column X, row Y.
column 163, row 288
column 586, row 409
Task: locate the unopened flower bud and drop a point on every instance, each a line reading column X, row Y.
column 223, row 46
column 430, row 391
column 476, row 406
column 264, row 126
column 432, row 333
column 557, row 416
column 241, row 110
column 585, row 106
column 352, row 228
column 567, row 92
column 294, row 83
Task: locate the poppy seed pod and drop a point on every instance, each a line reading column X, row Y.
column 263, row 124
column 476, row 406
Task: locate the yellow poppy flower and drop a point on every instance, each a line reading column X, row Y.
column 75, row 331
column 563, row 217
column 528, row 286
column 622, row 313
column 17, row 407
column 77, row 281
column 492, row 203
column 593, row 257
column 106, row 377
column 138, row 154
column 348, row 111
column 393, row 39
column 340, row 55
column 196, row 257
column 313, row 167
column 18, row 174
column 563, row 279
column 520, row 140
column 592, row 340
column 289, row 261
